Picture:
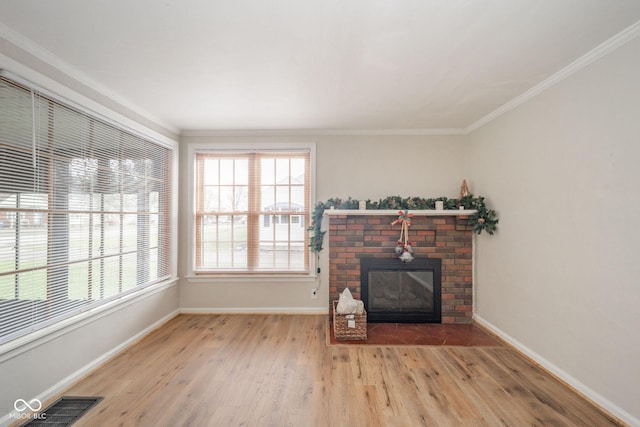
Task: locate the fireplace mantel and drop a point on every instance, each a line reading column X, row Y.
column 393, row 212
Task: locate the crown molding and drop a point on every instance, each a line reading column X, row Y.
column 321, row 132
column 598, row 52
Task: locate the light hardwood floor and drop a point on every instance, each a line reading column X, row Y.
column 277, row 370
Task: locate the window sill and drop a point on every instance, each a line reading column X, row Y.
column 36, row 338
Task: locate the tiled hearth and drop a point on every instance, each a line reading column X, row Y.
column 435, row 234
column 430, row 334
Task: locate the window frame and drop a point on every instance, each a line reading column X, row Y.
column 94, row 112
column 193, row 274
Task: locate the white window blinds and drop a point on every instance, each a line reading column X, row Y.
column 84, row 211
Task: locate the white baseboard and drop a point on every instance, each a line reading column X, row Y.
column 68, row 381
column 256, row 310
column 590, row 394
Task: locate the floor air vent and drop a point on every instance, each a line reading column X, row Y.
column 64, row 412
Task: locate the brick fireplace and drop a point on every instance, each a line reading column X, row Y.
column 446, row 235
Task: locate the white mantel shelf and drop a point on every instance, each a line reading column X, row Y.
column 394, row 212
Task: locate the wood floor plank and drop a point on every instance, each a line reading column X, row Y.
column 277, row 370
column 471, row 374
column 550, row 399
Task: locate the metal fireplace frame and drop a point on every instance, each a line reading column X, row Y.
column 419, row 264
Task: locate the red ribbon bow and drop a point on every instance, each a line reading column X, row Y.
column 403, row 216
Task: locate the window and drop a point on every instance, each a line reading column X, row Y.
column 84, row 211
column 252, row 211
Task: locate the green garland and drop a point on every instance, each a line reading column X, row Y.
column 484, row 219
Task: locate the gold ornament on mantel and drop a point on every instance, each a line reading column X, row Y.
column 464, row 190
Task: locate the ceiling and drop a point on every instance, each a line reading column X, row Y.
column 304, row 64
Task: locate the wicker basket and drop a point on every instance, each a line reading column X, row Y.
column 341, row 325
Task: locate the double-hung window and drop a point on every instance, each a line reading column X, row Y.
column 252, row 211
column 84, row 210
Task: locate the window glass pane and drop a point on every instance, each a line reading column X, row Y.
column 209, row 239
column 79, row 237
column 268, row 198
column 225, row 228
column 297, row 170
column 130, row 203
column 241, row 198
column 211, row 172
column 79, row 201
column 153, row 263
column 130, row 230
column 83, row 175
column 111, row 269
column 241, row 172
column 267, row 228
column 129, row 271
column 227, row 199
column 8, row 235
column 226, row 171
column 282, row 228
column 32, row 241
column 112, row 203
column 267, row 171
column 211, row 199
column 208, row 257
column 98, row 231
column 240, row 241
column 282, row 171
column 130, row 179
column 8, row 287
column 297, row 199
column 282, row 198
column 153, row 231
column 96, row 279
column 33, row 201
column 78, row 281
column 96, row 202
column 32, row 285
column 111, row 237
column 267, row 256
column 153, row 202
column 296, row 258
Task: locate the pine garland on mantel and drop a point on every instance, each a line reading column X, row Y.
column 484, row 219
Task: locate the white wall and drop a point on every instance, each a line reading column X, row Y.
column 363, row 167
column 561, row 278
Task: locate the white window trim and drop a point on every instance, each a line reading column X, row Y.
column 41, row 336
column 194, row 148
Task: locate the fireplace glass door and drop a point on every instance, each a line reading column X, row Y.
column 401, row 291
column 398, row 292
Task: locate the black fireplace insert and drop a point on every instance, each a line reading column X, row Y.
column 397, row 292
